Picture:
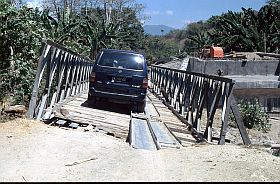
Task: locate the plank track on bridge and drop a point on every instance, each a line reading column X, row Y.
column 117, row 123
column 62, row 81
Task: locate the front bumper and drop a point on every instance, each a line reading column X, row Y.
column 116, row 96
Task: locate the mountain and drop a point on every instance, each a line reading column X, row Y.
column 157, row 29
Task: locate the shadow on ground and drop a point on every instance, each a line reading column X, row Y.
column 110, row 106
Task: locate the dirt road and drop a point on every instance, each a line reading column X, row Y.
column 33, row 151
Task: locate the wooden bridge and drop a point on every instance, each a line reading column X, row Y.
column 182, row 107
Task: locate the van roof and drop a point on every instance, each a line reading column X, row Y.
column 124, row 51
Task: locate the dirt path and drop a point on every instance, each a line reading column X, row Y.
column 33, row 151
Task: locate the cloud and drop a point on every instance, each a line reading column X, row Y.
column 152, row 13
column 34, row 3
column 169, row 12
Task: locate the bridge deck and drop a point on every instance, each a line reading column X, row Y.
column 62, row 75
column 114, row 119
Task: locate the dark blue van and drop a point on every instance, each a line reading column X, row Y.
column 119, row 76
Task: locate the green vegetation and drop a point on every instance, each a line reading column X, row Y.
column 84, row 29
column 247, row 30
column 253, row 116
column 87, row 26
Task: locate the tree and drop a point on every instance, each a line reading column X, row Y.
column 248, row 30
column 96, row 35
column 60, row 29
column 197, row 42
column 20, row 37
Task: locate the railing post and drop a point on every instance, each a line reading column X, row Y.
column 58, row 70
column 189, row 94
column 41, row 64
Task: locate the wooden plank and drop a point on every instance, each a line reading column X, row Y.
column 108, row 129
column 87, row 110
column 166, row 116
column 93, row 117
column 96, row 122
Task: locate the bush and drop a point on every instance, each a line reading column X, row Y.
column 253, row 116
column 17, row 83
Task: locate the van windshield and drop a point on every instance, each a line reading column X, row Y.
column 122, row 60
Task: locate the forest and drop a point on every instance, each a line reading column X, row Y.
column 86, row 26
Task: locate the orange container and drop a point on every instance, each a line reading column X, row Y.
column 216, row 52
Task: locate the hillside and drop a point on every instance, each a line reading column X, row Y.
column 158, row 30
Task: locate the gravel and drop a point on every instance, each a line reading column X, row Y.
column 33, row 151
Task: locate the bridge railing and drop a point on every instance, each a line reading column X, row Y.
column 192, row 96
column 61, row 73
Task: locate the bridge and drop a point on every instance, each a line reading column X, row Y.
column 182, row 108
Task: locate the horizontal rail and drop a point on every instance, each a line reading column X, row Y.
column 62, row 48
column 223, row 79
column 196, row 98
column 61, row 73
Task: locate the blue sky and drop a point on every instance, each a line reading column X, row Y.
column 179, row 13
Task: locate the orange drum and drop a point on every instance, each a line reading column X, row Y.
column 216, row 52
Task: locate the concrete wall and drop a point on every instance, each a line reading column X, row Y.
column 269, row 98
column 235, row 67
column 253, row 79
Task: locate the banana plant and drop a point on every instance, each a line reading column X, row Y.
column 97, row 34
column 62, row 28
column 199, row 40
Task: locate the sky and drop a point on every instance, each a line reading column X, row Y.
column 178, row 13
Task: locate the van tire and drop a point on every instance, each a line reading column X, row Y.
column 91, row 101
